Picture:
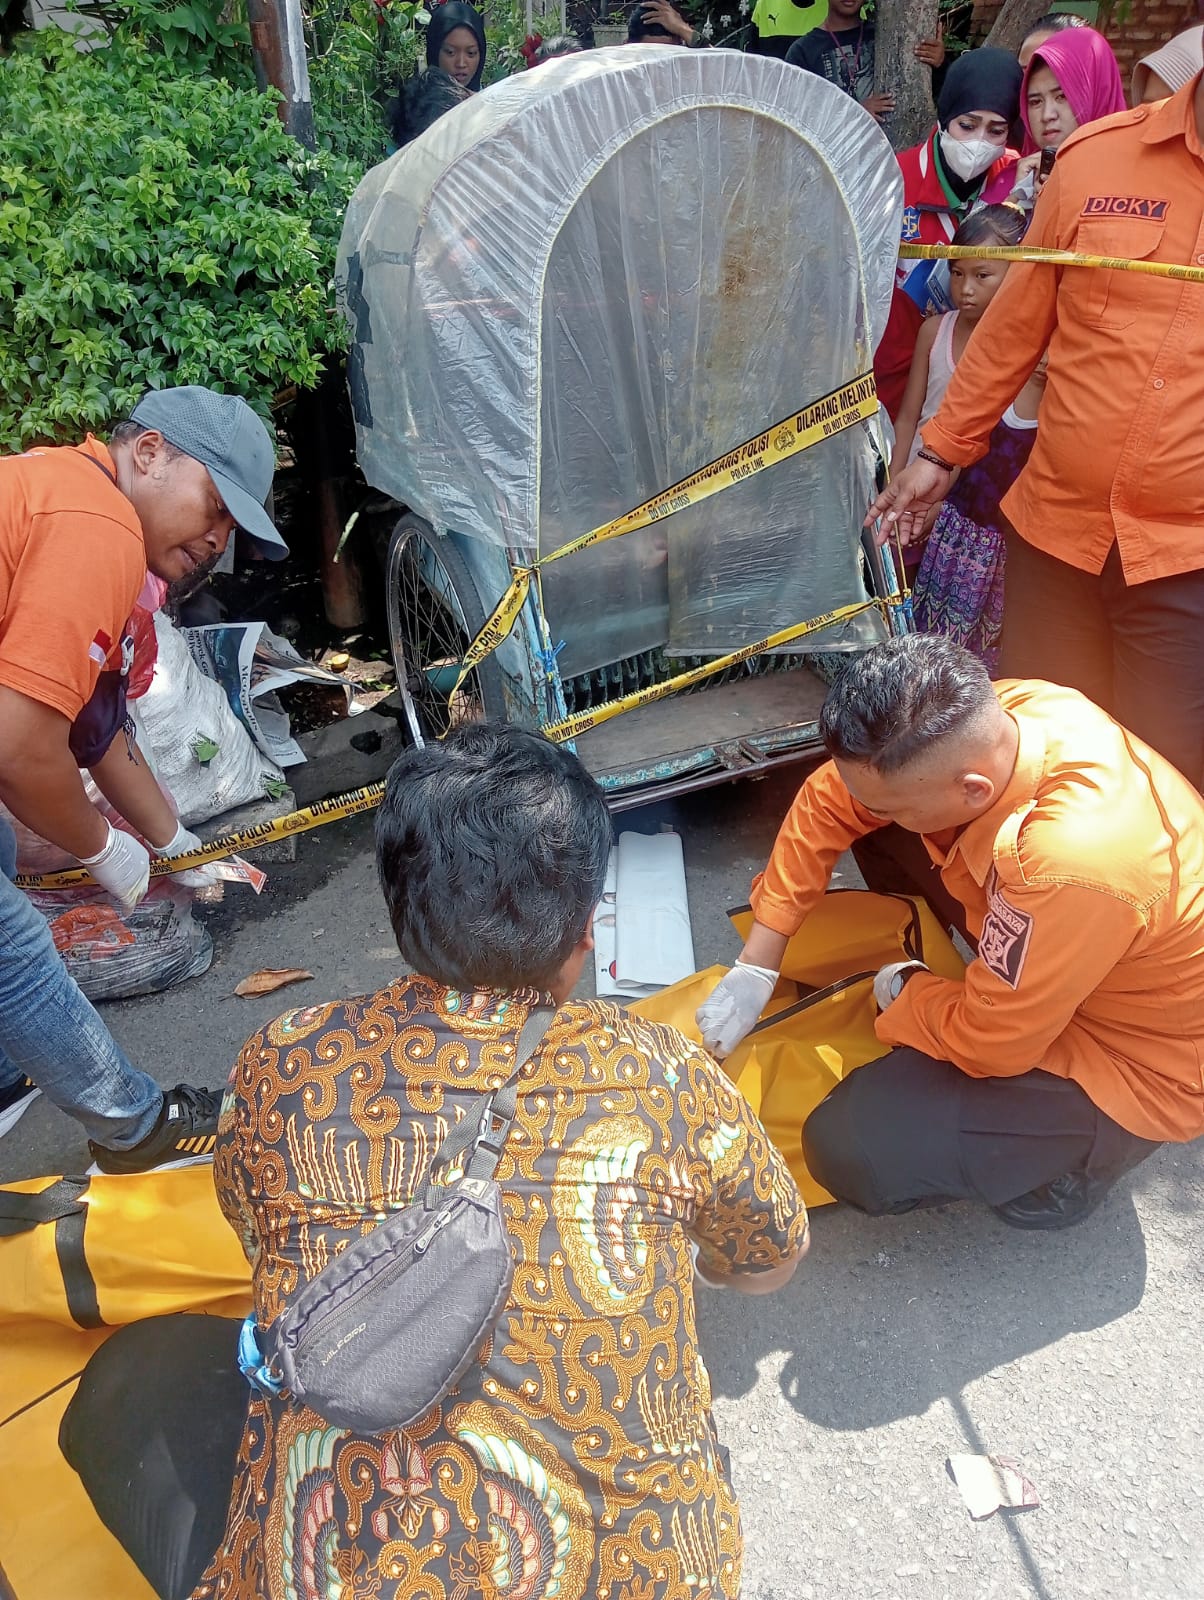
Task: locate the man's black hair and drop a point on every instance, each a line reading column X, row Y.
column 491, row 847
column 641, row 32
column 420, row 101
column 900, row 698
column 126, row 433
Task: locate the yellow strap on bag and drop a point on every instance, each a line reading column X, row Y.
column 107, row 1251
column 819, row 1026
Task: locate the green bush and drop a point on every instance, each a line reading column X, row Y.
column 155, row 229
column 359, row 52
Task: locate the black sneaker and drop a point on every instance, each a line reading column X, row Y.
column 15, row 1101
column 185, row 1133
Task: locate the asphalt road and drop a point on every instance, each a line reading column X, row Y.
column 900, row 1340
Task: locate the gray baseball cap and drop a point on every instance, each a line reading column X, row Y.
column 229, row 440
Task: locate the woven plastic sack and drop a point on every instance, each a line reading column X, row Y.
column 198, row 747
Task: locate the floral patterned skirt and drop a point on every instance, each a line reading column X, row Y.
column 959, row 587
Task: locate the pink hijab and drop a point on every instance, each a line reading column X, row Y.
column 1082, row 62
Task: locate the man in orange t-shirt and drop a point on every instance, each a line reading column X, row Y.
column 1105, row 554
column 79, row 527
column 1074, row 1045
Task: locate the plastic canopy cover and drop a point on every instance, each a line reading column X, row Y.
column 592, row 279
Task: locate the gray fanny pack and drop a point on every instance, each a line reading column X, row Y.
column 388, row 1326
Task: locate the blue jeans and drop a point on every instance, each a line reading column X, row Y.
column 50, row 1033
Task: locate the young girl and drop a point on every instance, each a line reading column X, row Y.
column 958, row 590
column 942, row 340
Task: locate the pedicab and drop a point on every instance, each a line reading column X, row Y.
column 611, row 283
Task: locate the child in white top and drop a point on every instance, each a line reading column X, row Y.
column 942, row 340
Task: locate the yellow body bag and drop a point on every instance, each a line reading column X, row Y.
column 80, row 1257
column 819, row 1025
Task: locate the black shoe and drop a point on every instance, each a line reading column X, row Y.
column 15, row 1101
column 1060, row 1204
column 185, row 1133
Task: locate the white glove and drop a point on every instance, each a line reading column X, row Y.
column 732, row 1008
column 888, row 985
column 122, row 868
column 182, row 843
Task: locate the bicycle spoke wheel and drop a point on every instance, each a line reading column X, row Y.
column 434, row 614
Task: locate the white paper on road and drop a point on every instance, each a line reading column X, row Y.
column 991, row 1483
column 642, row 938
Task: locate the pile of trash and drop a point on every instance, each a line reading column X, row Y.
column 203, row 707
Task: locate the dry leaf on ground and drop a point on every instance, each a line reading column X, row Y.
column 269, row 979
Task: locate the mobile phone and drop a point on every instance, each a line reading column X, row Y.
column 1045, row 167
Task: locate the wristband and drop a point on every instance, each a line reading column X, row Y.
column 929, row 455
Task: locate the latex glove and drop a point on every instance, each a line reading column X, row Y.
column 888, row 985
column 122, row 868
column 733, row 1007
column 182, row 843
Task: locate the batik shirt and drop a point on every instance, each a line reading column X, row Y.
column 578, row 1459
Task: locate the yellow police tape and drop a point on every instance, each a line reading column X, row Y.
column 371, row 795
column 844, row 407
column 582, row 721
column 1056, row 258
column 339, row 805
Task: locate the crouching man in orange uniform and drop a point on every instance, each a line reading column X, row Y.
column 1074, row 1045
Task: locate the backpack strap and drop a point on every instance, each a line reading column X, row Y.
column 478, row 1128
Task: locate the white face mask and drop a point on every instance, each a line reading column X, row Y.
column 968, row 158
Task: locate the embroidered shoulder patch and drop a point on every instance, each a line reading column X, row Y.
column 1003, row 943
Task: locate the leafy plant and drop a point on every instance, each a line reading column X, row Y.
column 359, row 52
column 203, row 36
column 154, row 229
column 505, row 31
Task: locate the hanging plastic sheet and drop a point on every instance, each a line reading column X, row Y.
column 592, row 279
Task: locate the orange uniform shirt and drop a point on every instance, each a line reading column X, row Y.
column 72, row 563
column 1118, row 457
column 1084, row 885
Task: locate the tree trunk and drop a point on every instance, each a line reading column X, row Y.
column 278, row 49
column 1014, row 23
column 900, row 25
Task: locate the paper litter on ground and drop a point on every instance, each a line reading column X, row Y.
column 642, row 938
column 990, row 1483
column 251, row 663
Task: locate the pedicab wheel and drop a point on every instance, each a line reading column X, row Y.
column 434, row 612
